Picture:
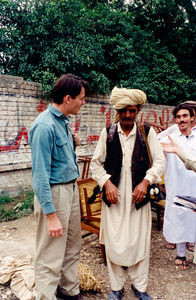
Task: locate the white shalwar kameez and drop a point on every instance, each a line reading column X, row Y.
column 179, row 223
column 125, row 231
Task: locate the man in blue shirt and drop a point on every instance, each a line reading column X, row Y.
column 56, row 204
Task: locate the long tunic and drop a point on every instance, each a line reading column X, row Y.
column 179, row 223
column 124, row 230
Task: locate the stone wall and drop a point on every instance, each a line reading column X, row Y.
column 20, row 104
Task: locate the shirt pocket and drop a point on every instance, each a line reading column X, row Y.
column 61, row 148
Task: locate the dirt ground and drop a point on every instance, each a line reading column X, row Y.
column 166, row 282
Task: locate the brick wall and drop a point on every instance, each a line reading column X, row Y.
column 20, row 104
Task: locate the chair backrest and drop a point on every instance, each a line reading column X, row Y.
column 90, row 213
column 86, row 160
column 86, row 187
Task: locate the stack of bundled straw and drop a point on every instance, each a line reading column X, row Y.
column 88, row 281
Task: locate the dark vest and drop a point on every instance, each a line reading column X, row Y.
column 140, row 161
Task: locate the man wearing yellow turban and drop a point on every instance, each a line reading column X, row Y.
column 121, row 168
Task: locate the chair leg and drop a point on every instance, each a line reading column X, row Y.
column 86, row 234
column 103, row 253
column 158, row 218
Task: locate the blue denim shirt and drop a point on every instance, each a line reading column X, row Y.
column 53, row 156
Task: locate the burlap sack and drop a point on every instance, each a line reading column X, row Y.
column 20, row 272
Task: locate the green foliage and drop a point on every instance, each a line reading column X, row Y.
column 174, row 24
column 141, row 45
column 12, row 208
column 5, row 198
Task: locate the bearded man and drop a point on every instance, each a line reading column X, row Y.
column 120, row 167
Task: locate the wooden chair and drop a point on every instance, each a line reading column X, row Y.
column 159, row 206
column 86, row 160
column 90, row 213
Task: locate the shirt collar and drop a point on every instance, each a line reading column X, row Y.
column 132, row 132
column 193, row 132
column 194, row 128
column 178, row 132
column 58, row 114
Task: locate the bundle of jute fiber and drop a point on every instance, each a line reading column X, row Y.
column 20, row 273
column 88, row 281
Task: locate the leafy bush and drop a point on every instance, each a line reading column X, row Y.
column 12, row 208
column 146, row 45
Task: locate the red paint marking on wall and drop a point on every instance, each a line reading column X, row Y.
column 102, row 109
column 108, row 117
column 41, row 106
column 16, row 144
column 150, row 114
column 77, row 125
column 165, row 120
column 92, row 138
column 165, row 116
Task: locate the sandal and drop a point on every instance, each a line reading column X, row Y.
column 190, row 246
column 171, row 246
column 182, row 264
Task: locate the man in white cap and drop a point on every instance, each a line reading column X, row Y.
column 173, row 129
column 179, row 226
column 121, row 168
column 188, row 160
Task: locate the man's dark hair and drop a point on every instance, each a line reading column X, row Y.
column 183, row 106
column 68, row 84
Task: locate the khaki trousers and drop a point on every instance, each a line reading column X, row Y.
column 138, row 274
column 56, row 260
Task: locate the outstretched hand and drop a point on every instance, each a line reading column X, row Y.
column 171, row 147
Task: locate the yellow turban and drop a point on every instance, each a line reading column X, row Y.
column 122, row 97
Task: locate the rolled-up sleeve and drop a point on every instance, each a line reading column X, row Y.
column 189, row 160
column 41, row 142
column 153, row 175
